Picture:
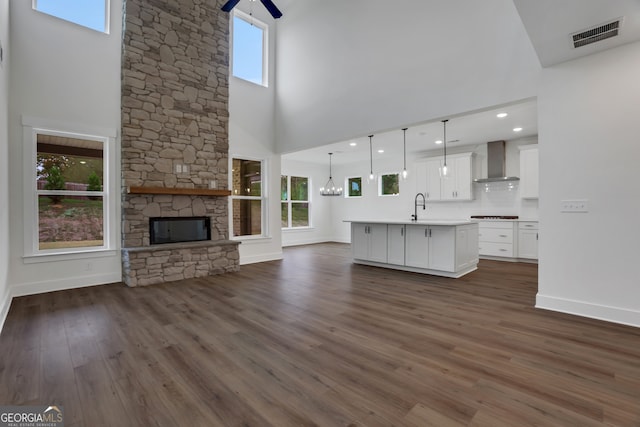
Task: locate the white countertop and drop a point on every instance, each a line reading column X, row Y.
column 418, row 222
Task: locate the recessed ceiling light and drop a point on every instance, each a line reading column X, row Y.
column 517, row 129
column 381, row 151
column 439, row 141
column 353, row 144
column 501, row 115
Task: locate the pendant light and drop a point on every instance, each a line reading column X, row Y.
column 404, row 170
column 330, row 188
column 371, row 175
column 444, row 170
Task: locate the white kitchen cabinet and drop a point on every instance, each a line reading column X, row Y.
column 449, row 250
column 443, row 248
column 529, row 171
column 395, row 243
column 528, row 240
column 417, row 246
column 369, row 241
column 432, row 190
column 428, row 179
column 433, row 247
column 466, row 247
column 457, row 186
column 496, row 238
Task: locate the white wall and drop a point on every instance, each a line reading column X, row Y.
column 588, row 140
column 498, row 201
column 4, row 160
column 321, row 229
column 67, row 73
column 252, row 135
column 350, row 68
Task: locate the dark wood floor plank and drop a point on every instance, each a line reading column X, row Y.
column 57, row 382
column 98, row 396
column 316, row 340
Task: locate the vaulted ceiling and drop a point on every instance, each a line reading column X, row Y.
column 424, row 61
column 550, row 24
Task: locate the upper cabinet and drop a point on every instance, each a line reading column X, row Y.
column 457, row 186
column 529, row 171
column 434, row 192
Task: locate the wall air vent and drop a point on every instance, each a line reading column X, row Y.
column 592, row 35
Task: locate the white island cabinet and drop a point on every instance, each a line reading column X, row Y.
column 442, row 248
column 369, row 241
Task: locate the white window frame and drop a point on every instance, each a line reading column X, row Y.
column 264, row 220
column 31, row 128
column 265, row 45
column 347, row 187
column 290, row 203
column 380, row 184
column 107, row 16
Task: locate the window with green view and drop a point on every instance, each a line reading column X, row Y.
column 295, row 203
column 389, row 185
column 354, row 187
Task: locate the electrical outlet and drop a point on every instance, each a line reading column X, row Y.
column 580, row 206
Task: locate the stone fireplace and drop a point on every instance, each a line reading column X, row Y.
column 175, row 137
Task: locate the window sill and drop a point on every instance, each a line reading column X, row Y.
column 293, row 229
column 251, row 83
column 67, row 256
column 252, row 239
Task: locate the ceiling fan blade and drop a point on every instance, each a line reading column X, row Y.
column 230, row 5
column 273, row 10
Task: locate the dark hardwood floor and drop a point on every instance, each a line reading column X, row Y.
column 316, row 340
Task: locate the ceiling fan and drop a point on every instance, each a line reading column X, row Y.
column 273, row 10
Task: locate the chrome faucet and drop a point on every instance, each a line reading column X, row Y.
column 414, row 217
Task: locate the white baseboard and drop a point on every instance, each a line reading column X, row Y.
column 594, row 311
column 5, row 305
column 341, row 240
column 244, row 260
column 301, row 242
column 63, row 284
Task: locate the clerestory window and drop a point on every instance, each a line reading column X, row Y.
column 92, row 14
column 249, row 49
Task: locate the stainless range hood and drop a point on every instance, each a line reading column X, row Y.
column 496, row 164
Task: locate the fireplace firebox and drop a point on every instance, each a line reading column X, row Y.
column 179, row 229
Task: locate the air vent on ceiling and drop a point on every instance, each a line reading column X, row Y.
column 592, row 35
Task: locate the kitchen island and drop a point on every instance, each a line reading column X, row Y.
column 440, row 247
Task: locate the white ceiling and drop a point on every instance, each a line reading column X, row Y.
column 465, row 130
column 550, row 24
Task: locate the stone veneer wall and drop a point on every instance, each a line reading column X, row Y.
column 175, row 116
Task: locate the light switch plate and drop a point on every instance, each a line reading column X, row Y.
column 579, row 206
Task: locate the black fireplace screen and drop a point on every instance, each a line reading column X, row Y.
column 179, row 229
